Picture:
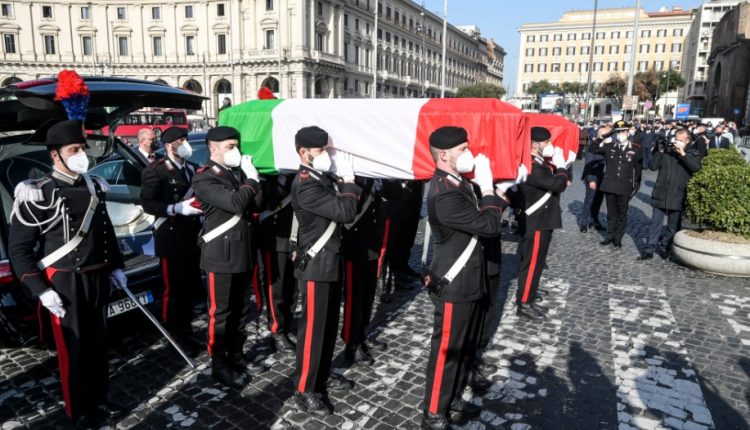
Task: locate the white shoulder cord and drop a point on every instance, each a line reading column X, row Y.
column 52, row 221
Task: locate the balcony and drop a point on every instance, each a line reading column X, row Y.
column 264, row 54
column 328, row 58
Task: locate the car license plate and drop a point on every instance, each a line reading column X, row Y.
column 126, row 304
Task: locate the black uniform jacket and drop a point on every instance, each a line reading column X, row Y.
column 316, row 203
column 593, row 170
column 544, row 178
column 674, row 173
column 274, row 230
column 98, row 250
column 624, row 166
column 164, row 184
column 455, row 216
column 224, row 193
column 362, row 241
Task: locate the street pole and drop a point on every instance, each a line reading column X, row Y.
column 445, row 44
column 424, row 63
column 591, row 63
column 632, row 50
column 231, row 54
column 666, row 102
column 375, row 55
column 278, row 43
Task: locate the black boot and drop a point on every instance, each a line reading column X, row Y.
column 357, row 355
column 527, row 311
column 87, row 422
column 541, row 308
column 373, row 344
column 465, row 409
column 225, row 375
column 283, row 344
column 434, row 421
column 484, row 367
column 606, row 242
column 110, row 410
column 190, row 340
column 477, row 382
column 311, row 403
column 338, row 383
column 240, row 363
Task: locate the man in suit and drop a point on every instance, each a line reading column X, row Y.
column 167, row 194
column 147, row 145
column 227, row 196
column 593, row 173
column 719, row 141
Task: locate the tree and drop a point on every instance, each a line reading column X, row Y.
column 670, row 80
column 614, row 88
column 481, row 90
column 574, row 90
column 544, row 86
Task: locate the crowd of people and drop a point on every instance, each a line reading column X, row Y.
column 324, row 239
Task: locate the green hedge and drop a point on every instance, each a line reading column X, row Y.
column 718, row 195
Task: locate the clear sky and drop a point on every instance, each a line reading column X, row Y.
column 500, row 19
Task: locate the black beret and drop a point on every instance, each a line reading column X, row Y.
column 173, row 133
column 448, row 137
column 540, row 134
column 59, row 133
column 217, row 134
column 311, row 137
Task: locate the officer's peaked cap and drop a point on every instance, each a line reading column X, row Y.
column 622, row 125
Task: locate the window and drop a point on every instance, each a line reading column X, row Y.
column 46, row 11
column 626, row 66
column 614, row 49
column 598, row 66
column 85, row 12
column 599, row 49
column 645, row 33
column 555, row 67
column 544, row 38
column 644, row 48
column 269, row 4
column 542, row 52
column 586, row 36
column 530, row 38
column 658, row 65
column 675, row 64
column 156, row 12
column 320, row 8
column 556, row 50
column 221, row 43
column 121, row 13
column 189, row 45
column 319, row 42
column 628, row 49
column 612, row 66
column 614, row 35
column 570, row 67
column 49, row 45
column 220, row 9
column 659, row 48
column 583, row 67
column 600, row 35
column 677, row 32
column 189, row 11
column 122, row 44
column 585, row 50
column 356, row 55
column 87, row 45
column 661, row 33
column 356, row 23
column 346, row 20
column 676, row 47
column 571, row 36
column 9, row 43
column 156, row 46
column 642, row 66
column 270, row 39
column 557, row 37
column 528, row 68
column 541, row 68
column 570, row 50
column 7, row 9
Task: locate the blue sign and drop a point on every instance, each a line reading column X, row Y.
column 682, row 111
column 737, row 111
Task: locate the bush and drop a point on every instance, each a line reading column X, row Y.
column 718, row 195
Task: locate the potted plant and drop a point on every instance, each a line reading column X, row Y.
column 718, row 201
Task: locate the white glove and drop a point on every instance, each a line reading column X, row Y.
column 558, row 160
column 504, row 186
column 483, row 173
column 246, row 164
column 118, row 278
column 184, row 208
column 522, row 173
column 571, row 159
column 52, row 301
column 345, row 166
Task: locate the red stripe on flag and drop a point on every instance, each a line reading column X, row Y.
column 165, row 298
column 442, row 353
column 269, row 281
column 348, row 307
column 532, row 267
column 63, row 361
column 211, row 313
column 308, row 336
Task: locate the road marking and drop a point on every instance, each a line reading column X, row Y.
column 736, row 309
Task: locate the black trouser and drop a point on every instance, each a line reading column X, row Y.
column 592, row 203
column 452, row 349
column 278, row 277
column 229, row 298
column 182, row 280
column 402, row 233
column 360, row 284
column 617, row 215
column 657, row 241
column 316, row 336
column 488, row 310
column 534, row 247
column 81, row 338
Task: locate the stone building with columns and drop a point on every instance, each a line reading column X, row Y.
column 230, row 48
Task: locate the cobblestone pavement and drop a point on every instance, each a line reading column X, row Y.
column 627, row 345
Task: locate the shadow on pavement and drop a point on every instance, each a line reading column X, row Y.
column 592, row 400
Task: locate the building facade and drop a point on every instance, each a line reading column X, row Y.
column 698, row 49
column 560, row 51
column 230, row 48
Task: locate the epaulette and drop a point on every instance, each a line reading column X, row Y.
column 201, row 169
column 168, row 164
column 30, row 190
column 304, row 175
column 103, row 184
column 216, row 169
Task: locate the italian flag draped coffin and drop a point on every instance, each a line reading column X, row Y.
column 389, row 138
column 564, row 133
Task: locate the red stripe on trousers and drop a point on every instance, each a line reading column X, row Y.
column 165, row 298
column 211, row 313
column 308, row 336
column 63, row 359
column 442, row 353
column 269, row 281
column 532, row 268
column 384, row 245
column 256, row 288
column 348, row 307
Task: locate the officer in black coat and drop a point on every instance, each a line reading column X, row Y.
column 456, row 284
column 167, row 194
column 227, row 197
column 622, row 177
column 541, row 195
column 676, row 163
column 403, row 213
column 275, row 226
column 321, row 210
column 592, row 176
column 63, row 248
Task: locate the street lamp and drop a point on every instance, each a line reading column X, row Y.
column 423, row 72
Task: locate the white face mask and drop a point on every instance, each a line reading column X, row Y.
column 232, row 158
column 465, row 162
column 78, row 163
column 622, row 137
column 548, row 151
column 322, row 162
column 184, row 151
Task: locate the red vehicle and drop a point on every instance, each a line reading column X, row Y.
column 156, row 119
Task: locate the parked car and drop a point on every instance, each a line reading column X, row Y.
column 23, row 108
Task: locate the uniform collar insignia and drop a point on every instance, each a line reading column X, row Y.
column 314, row 173
column 453, row 178
column 60, row 176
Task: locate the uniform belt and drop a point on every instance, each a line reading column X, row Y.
column 539, row 203
column 221, row 229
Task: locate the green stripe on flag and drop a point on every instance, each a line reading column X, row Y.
column 254, row 122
